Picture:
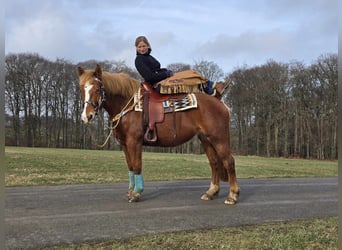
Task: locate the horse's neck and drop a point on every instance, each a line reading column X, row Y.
column 115, row 105
column 117, row 92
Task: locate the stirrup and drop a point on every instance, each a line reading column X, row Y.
column 150, row 135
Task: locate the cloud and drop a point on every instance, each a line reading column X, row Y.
column 43, row 34
column 228, row 33
column 245, row 43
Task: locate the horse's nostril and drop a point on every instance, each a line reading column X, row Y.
column 90, row 117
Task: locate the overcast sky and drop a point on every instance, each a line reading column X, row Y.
column 231, row 33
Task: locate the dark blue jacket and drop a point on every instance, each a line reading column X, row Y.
column 149, row 68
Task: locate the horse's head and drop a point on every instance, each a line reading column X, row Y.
column 92, row 92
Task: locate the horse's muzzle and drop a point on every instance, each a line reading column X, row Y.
column 87, row 118
column 90, row 117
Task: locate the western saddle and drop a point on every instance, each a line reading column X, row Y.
column 153, row 110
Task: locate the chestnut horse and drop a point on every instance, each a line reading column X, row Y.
column 209, row 121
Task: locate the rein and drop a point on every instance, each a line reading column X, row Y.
column 124, row 111
column 117, row 117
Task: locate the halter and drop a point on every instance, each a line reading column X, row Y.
column 99, row 104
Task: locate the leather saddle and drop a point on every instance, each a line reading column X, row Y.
column 153, row 110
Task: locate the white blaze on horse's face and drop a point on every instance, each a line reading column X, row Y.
column 87, row 114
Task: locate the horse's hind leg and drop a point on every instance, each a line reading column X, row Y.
column 215, row 178
column 234, row 189
column 225, row 166
column 228, row 161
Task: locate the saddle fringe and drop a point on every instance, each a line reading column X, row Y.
column 179, row 88
column 187, row 81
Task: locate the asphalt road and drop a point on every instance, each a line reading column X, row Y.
column 53, row 215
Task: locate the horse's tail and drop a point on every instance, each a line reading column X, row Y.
column 222, row 171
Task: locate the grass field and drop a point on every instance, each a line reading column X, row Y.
column 307, row 234
column 42, row 166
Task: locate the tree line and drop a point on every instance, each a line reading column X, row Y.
column 277, row 109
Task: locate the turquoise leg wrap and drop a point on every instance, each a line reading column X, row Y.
column 131, row 180
column 139, row 183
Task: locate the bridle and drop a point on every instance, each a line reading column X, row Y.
column 99, row 104
column 116, row 119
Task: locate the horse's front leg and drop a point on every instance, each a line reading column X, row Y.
column 133, row 153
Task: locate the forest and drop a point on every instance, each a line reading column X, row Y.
column 278, row 109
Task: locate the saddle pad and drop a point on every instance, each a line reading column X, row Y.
column 171, row 105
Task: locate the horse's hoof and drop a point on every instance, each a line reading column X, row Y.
column 133, row 200
column 230, row 201
column 135, row 197
column 206, row 197
column 129, row 193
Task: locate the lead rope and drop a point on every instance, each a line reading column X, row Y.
column 117, row 118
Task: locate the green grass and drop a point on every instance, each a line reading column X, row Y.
column 43, row 166
column 282, row 167
column 305, row 234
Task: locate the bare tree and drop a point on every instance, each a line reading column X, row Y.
column 209, row 70
column 12, row 95
column 324, row 83
column 177, row 67
column 276, row 109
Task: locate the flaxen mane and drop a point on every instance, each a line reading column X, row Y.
column 114, row 83
column 120, row 83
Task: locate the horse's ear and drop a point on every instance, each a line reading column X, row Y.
column 98, row 72
column 80, row 71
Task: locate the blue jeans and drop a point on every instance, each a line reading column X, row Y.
column 209, row 88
